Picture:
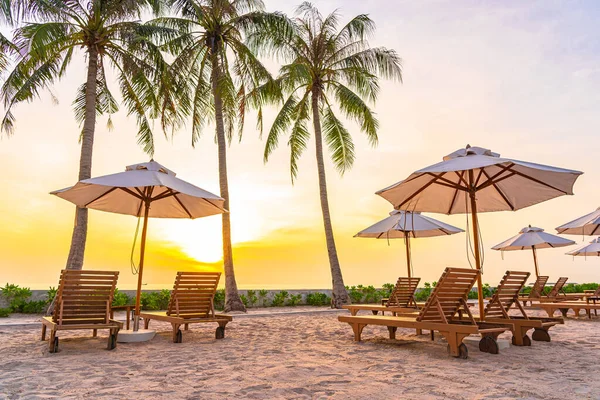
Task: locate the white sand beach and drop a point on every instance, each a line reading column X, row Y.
column 297, row 356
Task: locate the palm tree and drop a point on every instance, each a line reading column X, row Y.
column 106, row 32
column 219, row 78
column 327, row 66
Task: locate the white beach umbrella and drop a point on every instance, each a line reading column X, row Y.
column 404, row 225
column 143, row 190
column 588, row 225
column 475, row 179
column 589, row 249
column 533, row 238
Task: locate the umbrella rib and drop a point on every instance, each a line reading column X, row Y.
column 164, row 195
column 131, row 192
column 490, row 180
column 479, row 176
column 182, row 206
column 500, row 192
column 446, row 182
column 412, row 196
column 101, row 196
column 461, row 177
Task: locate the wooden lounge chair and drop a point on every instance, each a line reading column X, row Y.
column 402, row 299
column 83, row 301
column 507, row 295
column 440, row 313
column 565, row 306
column 557, row 294
column 191, row 303
column 537, row 290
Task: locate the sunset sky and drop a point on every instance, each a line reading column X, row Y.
column 520, row 78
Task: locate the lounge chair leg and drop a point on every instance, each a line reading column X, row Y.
column 374, row 312
column 540, row 335
column 564, row 311
column 146, row 323
column 357, row 328
column 186, row 327
column 392, row 330
column 43, row 332
column 432, row 333
column 456, row 348
column 94, row 332
column 520, row 337
column 177, row 335
column 52, row 342
column 488, row 344
column 419, row 332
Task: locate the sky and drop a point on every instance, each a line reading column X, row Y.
column 519, row 78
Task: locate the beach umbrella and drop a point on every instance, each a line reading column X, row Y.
column 404, row 225
column 146, row 190
column 590, row 249
column 588, row 225
column 533, row 238
column 474, row 179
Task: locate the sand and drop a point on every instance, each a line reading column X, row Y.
column 298, row 356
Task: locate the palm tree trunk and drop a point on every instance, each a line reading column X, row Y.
column 339, row 293
column 233, row 302
column 78, row 239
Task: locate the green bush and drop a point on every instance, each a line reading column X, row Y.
column 35, row 307
column 387, row 290
column 295, row 300
column 252, row 298
column 153, row 301
column 15, row 296
column 219, row 299
column 355, row 293
column 422, row 294
column 51, row 293
column 4, row 312
column 280, row 298
column 262, row 295
column 121, row 299
column 318, row 299
column 244, row 300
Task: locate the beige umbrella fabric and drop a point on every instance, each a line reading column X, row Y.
column 143, row 190
column 589, row 249
column 533, row 238
column 474, row 179
column 404, row 225
column 588, row 225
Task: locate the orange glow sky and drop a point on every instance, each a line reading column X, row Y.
column 520, row 78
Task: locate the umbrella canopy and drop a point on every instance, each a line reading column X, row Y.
column 404, row 225
column 589, row 225
column 476, row 179
column 533, row 238
column 144, row 190
column 125, row 193
column 590, row 249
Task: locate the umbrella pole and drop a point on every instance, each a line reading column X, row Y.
column 407, row 243
column 138, row 296
column 476, row 244
column 537, row 272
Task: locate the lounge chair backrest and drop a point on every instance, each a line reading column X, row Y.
column 404, row 292
column 193, row 294
column 538, row 287
column 84, row 297
column 449, row 295
column 506, row 294
column 557, row 287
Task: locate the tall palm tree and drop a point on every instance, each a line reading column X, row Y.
column 328, row 67
column 219, row 78
column 106, row 32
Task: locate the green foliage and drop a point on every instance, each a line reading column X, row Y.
column 579, row 288
column 15, row 296
column 252, row 298
column 244, row 300
column 51, row 293
column 4, row 312
column 152, row 301
column 355, row 293
column 318, row 299
column 422, row 294
column 387, row 290
column 121, row 299
column 294, row 300
column 219, row 299
column 372, row 295
column 280, row 298
column 35, row 307
column 262, row 295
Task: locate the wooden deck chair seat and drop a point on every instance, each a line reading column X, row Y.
column 565, row 306
column 83, row 301
column 557, row 294
column 192, row 302
column 537, row 291
column 507, row 295
column 440, row 313
column 401, row 300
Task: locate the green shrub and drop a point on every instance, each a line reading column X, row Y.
column 355, row 293
column 422, row 294
column 244, row 300
column 318, row 299
column 219, row 299
column 121, row 299
column 262, row 295
column 252, row 298
column 35, row 307
column 387, row 290
column 295, row 300
column 280, row 298
column 372, row 295
column 4, row 312
column 15, row 296
column 153, row 301
column 51, row 293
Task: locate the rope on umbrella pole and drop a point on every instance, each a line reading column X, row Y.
column 135, row 268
